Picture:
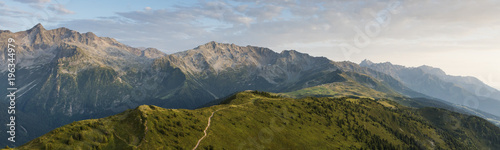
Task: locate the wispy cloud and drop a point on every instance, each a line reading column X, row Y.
column 37, row 4
column 33, row 1
column 16, row 17
column 59, row 9
column 299, row 21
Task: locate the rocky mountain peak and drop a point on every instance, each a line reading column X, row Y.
column 213, row 59
column 209, row 45
column 287, row 52
column 38, row 37
column 432, row 70
column 293, row 54
column 38, row 46
column 222, row 49
column 37, row 28
column 152, row 53
column 5, row 31
column 212, row 45
column 366, row 63
column 91, row 35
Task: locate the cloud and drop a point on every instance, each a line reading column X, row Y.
column 18, row 18
column 277, row 23
column 59, row 9
column 33, row 1
column 37, row 4
column 265, row 13
column 15, row 18
column 266, row 23
column 221, row 11
column 167, row 36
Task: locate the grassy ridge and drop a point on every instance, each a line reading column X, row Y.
column 263, row 120
column 354, row 85
column 342, row 89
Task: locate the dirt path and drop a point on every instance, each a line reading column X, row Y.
column 205, row 131
column 210, row 118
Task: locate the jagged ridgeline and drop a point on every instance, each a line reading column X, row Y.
column 261, row 120
column 435, row 82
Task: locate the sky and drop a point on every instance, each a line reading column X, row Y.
column 460, row 37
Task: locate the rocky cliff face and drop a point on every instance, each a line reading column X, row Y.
column 38, row 46
column 53, row 63
column 215, row 70
column 215, row 58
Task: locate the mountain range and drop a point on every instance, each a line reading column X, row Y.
column 66, row 76
column 465, row 91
